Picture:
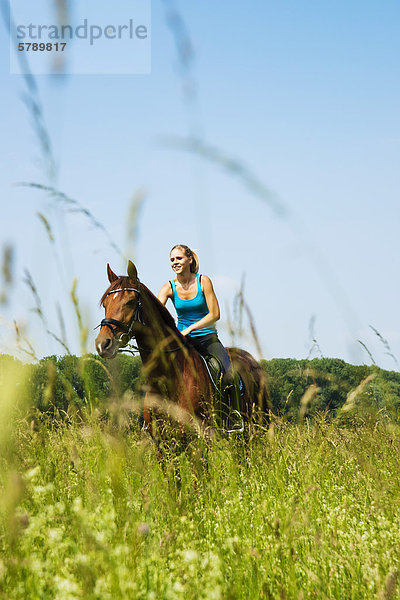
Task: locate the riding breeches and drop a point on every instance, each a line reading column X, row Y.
column 210, row 345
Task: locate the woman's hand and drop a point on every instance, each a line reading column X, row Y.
column 186, row 331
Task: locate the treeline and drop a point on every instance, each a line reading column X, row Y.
column 58, row 384
column 337, row 388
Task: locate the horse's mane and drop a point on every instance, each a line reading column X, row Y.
column 164, row 312
column 123, row 282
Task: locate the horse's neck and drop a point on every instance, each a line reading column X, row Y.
column 155, row 332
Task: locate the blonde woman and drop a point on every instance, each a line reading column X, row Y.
column 197, row 310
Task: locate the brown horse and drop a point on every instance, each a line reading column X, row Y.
column 176, row 374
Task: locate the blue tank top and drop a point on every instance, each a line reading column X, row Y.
column 191, row 311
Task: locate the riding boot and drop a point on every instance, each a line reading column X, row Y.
column 234, row 421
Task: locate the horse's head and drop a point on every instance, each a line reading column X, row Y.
column 122, row 304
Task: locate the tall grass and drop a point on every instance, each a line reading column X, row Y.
column 7, row 274
column 305, row 511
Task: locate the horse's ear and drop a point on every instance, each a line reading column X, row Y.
column 111, row 275
column 132, row 271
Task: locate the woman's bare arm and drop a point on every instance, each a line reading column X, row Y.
column 165, row 293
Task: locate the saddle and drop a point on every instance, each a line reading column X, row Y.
column 216, row 373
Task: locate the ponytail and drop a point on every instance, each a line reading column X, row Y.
column 194, row 267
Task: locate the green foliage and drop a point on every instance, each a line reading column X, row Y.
column 91, row 509
column 57, row 384
column 303, row 511
column 335, row 380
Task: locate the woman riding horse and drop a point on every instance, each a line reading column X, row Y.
column 178, row 382
column 197, row 310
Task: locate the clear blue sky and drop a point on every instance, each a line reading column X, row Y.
column 305, row 94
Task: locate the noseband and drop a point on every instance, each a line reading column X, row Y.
column 124, row 338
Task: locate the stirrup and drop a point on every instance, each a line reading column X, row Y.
column 238, row 423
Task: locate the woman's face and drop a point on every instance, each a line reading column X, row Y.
column 180, row 263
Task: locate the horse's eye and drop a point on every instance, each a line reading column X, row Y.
column 131, row 302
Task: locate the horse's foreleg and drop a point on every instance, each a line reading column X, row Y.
column 151, row 401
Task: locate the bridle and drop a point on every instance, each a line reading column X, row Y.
column 127, row 330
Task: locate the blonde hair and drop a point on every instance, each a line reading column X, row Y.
column 194, row 265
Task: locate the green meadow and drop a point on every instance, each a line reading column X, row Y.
column 92, row 507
